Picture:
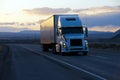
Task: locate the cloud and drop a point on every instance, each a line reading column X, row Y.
column 105, row 18
column 100, row 18
column 47, row 11
column 7, row 23
column 17, row 24
column 97, row 10
column 11, row 29
column 26, row 24
column 83, row 12
column 111, row 18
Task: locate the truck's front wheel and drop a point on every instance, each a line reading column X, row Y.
column 60, row 51
column 57, row 49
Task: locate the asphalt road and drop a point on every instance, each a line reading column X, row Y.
column 29, row 62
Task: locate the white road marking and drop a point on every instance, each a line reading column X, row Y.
column 68, row 64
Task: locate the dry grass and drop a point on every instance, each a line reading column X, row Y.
column 1, row 48
column 105, row 46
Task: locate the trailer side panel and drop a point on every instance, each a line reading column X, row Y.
column 47, row 31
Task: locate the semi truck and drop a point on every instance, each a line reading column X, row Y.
column 64, row 34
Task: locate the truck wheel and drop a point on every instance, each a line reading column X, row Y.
column 85, row 53
column 61, row 53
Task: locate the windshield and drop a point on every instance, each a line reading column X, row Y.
column 72, row 30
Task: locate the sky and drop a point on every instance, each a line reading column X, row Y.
column 19, row 15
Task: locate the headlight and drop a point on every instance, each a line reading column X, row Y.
column 86, row 43
column 63, row 44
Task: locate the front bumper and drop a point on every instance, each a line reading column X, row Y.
column 75, row 49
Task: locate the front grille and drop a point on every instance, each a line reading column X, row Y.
column 76, row 49
column 76, row 42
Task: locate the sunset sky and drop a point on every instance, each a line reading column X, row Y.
column 19, row 15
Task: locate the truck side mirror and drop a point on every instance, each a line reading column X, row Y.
column 86, row 31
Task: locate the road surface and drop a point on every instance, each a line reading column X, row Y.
column 29, row 62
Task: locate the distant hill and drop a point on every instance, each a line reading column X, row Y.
column 116, row 35
column 28, row 34
column 100, row 35
column 35, row 34
column 117, row 32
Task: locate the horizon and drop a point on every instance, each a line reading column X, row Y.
column 39, row 31
column 97, row 15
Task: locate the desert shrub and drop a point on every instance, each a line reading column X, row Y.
column 104, row 45
column 0, row 48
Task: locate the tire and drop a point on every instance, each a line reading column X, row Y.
column 61, row 53
column 85, row 53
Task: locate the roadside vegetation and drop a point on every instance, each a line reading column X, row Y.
column 105, row 46
column 1, row 47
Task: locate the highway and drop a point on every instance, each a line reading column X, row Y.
column 29, row 62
